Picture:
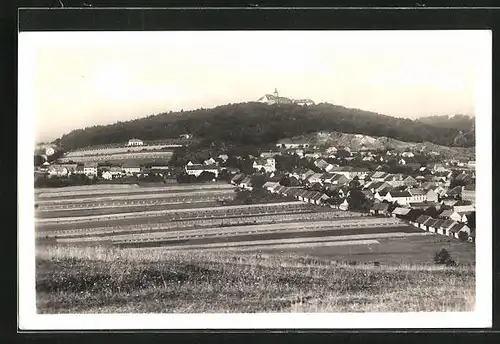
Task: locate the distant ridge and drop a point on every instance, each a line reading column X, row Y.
column 255, row 123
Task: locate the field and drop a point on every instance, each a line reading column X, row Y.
column 120, row 248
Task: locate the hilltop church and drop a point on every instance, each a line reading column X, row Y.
column 275, row 98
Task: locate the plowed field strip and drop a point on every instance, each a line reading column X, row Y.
column 106, row 191
column 170, row 211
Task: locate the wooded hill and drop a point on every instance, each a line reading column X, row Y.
column 461, row 122
column 260, row 124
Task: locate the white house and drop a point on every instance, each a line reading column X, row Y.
column 407, row 155
column 107, row 175
column 135, row 142
column 269, row 164
column 197, row 169
column 90, row 169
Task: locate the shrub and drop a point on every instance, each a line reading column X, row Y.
column 462, row 235
column 444, row 257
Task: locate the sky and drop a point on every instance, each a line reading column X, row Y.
column 79, row 79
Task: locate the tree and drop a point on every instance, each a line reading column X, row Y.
column 206, row 176
column 258, row 180
column 285, row 181
column 471, row 220
column 39, row 160
column 431, row 211
column 443, row 257
column 462, row 235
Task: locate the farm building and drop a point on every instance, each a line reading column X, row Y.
column 380, row 209
column 400, row 212
column 458, row 228
column 270, row 186
column 135, row 142
column 131, row 169
column 445, row 227
column 197, row 169
column 246, row 184
column 237, row 179
column 421, row 220
column 450, row 214
column 432, row 225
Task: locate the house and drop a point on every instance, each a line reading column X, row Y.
column 407, row 155
column 107, row 175
column 131, row 168
column 469, row 193
column 330, row 167
column 246, row 184
column 268, row 164
column 418, row 195
column 57, row 171
column 380, row 209
column 439, row 168
column 424, row 205
column 409, row 181
column 458, row 228
column 135, row 143
column 344, row 205
column 223, row 157
column 464, row 209
column 402, row 162
column 450, row 214
column 400, row 212
column 431, row 196
column 186, row 136
column 421, row 220
column 381, row 195
column 80, row 169
column 269, row 154
column 315, row 178
column 306, row 175
column 378, row 176
column 401, row 197
column 90, row 169
column 321, row 164
column 237, row 179
column 445, row 227
column 292, row 145
column 331, row 150
column 270, row 186
column 197, row 169
column 210, row 161
column 471, row 164
column 454, row 192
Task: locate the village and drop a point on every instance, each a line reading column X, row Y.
column 438, row 196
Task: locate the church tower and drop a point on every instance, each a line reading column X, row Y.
column 276, row 94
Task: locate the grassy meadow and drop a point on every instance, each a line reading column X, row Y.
column 110, row 280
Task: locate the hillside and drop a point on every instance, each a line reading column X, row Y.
column 100, row 280
column 461, row 122
column 259, row 124
column 358, row 141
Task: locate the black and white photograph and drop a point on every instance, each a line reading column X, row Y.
column 230, row 179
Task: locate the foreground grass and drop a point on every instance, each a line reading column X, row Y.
column 106, row 280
